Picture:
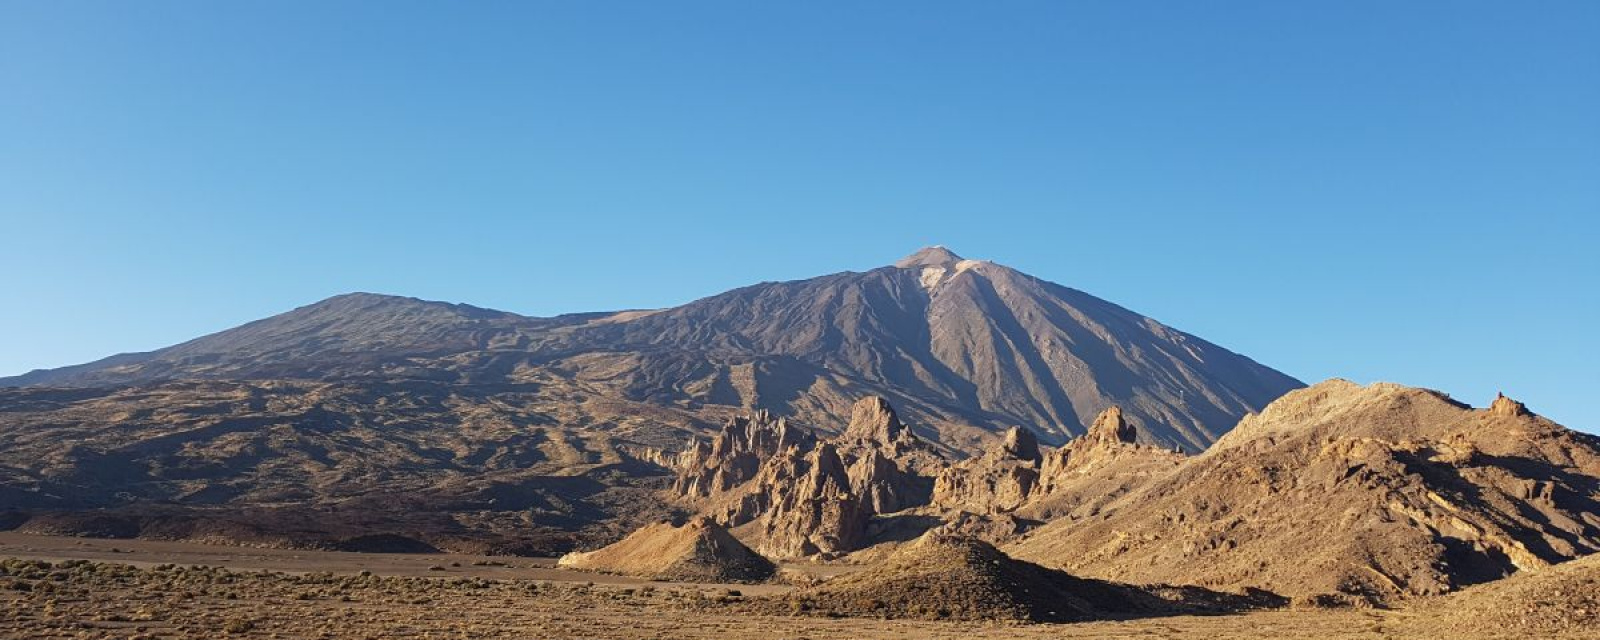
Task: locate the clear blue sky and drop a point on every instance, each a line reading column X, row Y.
column 1403, row 191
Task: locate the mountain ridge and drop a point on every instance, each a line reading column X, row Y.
column 957, row 343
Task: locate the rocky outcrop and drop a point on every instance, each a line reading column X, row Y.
column 873, row 419
column 1504, row 406
column 890, row 468
column 699, row 551
column 999, row 481
column 1110, row 429
column 810, row 508
column 734, row 455
column 874, row 426
column 1020, row 444
column 798, row 496
column 1343, row 492
column 883, row 486
column 1110, row 438
column 1015, row 476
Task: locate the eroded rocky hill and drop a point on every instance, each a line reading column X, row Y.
column 1344, row 492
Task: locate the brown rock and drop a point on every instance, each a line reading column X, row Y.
column 1110, row 428
column 734, row 455
column 872, row 419
column 1360, row 493
column 883, row 486
column 812, row 509
column 1507, row 407
column 700, row 550
column 1021, row 444
column 1001, row 480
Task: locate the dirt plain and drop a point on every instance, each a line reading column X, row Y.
column 54, row 587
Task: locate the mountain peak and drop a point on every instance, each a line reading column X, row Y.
column 934, row 256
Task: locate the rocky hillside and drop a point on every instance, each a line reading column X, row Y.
column 1340, row 492
column 946, row 576
column 966, row 348
column 1559, row 601
column 327, row 464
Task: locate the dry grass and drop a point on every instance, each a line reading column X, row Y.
column 81, row 599
column 297, row 595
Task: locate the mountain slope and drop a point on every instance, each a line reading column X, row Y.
column 1561, row 601
column 351, row 335
column 973, row 340
column 1341, row 492
column 967, row 348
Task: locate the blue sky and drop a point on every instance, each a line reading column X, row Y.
column 1372, row 190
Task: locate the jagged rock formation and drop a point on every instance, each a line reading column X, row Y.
column 699, row 551
column 1020, row 444
column 1106, row 463
column 1507, row 407
column 807, row 496
column 1015, row 477
column 1343, row 492
column 999, row 481
column 946, row 576
column 735, row 454
column 890, row 468
column 802, row 505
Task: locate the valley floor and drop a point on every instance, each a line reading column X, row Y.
column 151, row 590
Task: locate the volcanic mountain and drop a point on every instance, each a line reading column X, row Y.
column 967, row 347
column 493, row 428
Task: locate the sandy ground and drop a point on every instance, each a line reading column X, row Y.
column 148, row 553
column 223, row 592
